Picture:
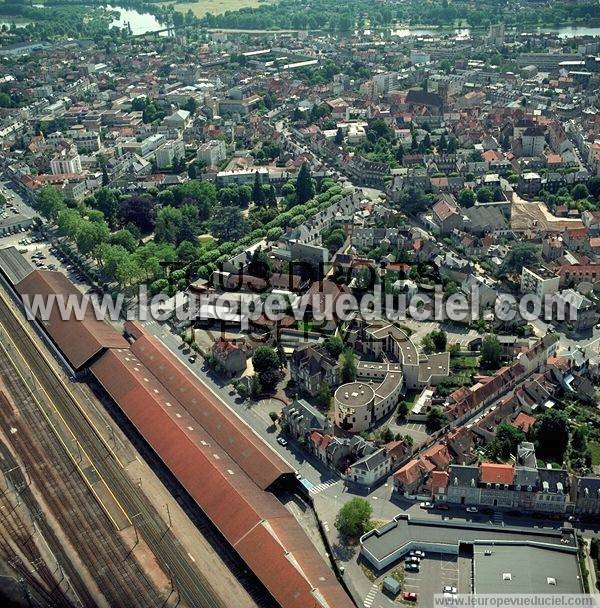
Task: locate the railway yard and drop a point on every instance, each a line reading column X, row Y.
column 97, row 529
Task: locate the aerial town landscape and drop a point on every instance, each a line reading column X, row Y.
column 299, row 303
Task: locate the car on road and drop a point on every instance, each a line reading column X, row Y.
column 282, row 441
column 472, row 510
column 426, row 505
column 411, row 567
column 420, row 554
column 449, row 589
column 192, row 358
column 409, row 596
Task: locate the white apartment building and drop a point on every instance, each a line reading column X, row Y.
column 539, row 281
column 212, row 152
column 65, row 161
column 167, row 153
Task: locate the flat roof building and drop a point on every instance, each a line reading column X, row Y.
column 524, row 569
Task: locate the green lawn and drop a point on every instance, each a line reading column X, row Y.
column 215, row 7
column 595, row 449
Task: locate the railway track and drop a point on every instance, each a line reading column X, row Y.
column 85, row 524
column 186, row 581
column 19, row 550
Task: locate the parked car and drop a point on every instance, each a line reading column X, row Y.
column 192, row 358
column 413, row 559
column 449, row 589
column 411, row 567
column 409, row 596
column 472, row 510
column 442, row 507
column 426, row 505
column 282, row 441
column 419, row 554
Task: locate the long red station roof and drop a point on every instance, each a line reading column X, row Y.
column 259, row 527
column 79, row 340
column 258, row 460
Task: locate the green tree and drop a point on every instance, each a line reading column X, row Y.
column 399, row 154
column 490, row 352
column 594, row 186
column 168, row 224
column 69, row 221
column 353, row 518
column 466, row 198
column 323, row 397
column 90, row 235
column 258, row 194
column 125, row 239
column 227, row 224
column 334, row 345
column 440, row 340
column 485, row 195
column 348, row 366
column 191, row 105
column 427, row 343
column 551, row 435
column 436, row 419
column 521, row 254
column 335, row 239
column 402, row 411
column 579, row 192
column 505, row 442
column 50, row 202
column 305, row 189
column 107, row 201
column 264, row 359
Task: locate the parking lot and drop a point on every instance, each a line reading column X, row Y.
column 457, row 333
column 437, row 570
column 43, row 256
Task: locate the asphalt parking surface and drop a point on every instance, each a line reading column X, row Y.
column 437, row 570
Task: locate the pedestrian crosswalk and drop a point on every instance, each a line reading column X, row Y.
column 497, row 519
column 370, row 597
column 323, row 486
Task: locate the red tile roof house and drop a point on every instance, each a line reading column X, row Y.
column 411, row 477
column 318, row 445
column 496, row 482
column 408, row 478
column 523, row 421
column 231, row 356
column 438, row 485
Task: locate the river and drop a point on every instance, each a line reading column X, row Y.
column 140, row 23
